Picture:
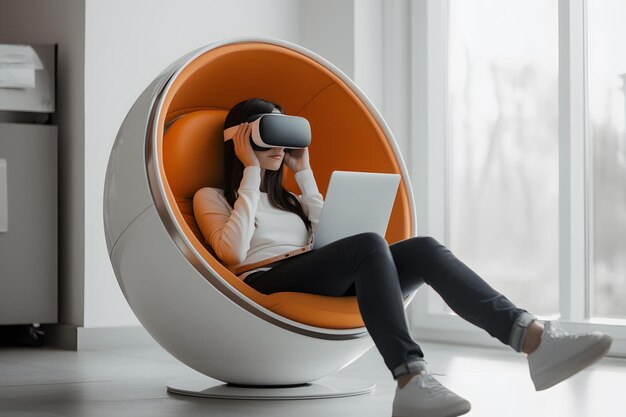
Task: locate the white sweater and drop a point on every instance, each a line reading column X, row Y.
column 232, row 233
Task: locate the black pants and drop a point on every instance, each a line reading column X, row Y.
column 380, row 275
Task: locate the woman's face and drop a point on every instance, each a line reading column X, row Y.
column 272, row 158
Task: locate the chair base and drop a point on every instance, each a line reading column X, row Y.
column 328, row 387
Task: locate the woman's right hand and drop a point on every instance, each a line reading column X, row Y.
column 243, row 149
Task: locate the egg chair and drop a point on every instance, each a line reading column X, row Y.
column 170, row 145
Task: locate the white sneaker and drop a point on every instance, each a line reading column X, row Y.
column 561, row 355
column 424, row 396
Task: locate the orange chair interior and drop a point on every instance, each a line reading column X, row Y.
column 345, row 136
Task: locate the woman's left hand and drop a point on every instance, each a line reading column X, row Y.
column 297, row 159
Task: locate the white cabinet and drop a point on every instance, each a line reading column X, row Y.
column 29, row 224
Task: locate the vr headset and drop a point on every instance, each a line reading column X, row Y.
column 270, row 130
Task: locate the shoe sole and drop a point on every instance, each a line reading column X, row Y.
column 545, row 379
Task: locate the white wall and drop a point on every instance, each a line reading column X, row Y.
column 127, row 44
column 368, row 49
column 61, row 22
column 327, row 28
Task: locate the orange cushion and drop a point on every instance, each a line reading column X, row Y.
column 345, row 136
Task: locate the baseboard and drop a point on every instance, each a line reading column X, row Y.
column 457, row 337
column 479, row 338
column 71, row 337
column 61, row 336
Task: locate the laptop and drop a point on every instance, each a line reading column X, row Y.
column 356, row 202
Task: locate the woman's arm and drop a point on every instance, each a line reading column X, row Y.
column 229, row 231
column 311, row 199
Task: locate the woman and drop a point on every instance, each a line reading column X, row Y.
column 255, row 218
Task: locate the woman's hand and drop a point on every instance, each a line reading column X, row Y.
column 297, row 159
column 243, row 149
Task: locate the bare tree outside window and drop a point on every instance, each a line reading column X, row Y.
column 607, row 93
column 503, row 131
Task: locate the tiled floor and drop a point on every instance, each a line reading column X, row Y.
column 38, row 382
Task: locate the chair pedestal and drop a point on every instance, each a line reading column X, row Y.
column 329, row 387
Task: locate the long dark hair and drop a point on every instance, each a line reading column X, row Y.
column 278, row 196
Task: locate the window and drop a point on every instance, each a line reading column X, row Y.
column 518, row 156
column 607, row 94
column 503, row 146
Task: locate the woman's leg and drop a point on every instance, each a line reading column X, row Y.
column 462, row 289
column 554, row 355
column 363, row 265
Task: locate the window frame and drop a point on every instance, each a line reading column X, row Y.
column 429, row 168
